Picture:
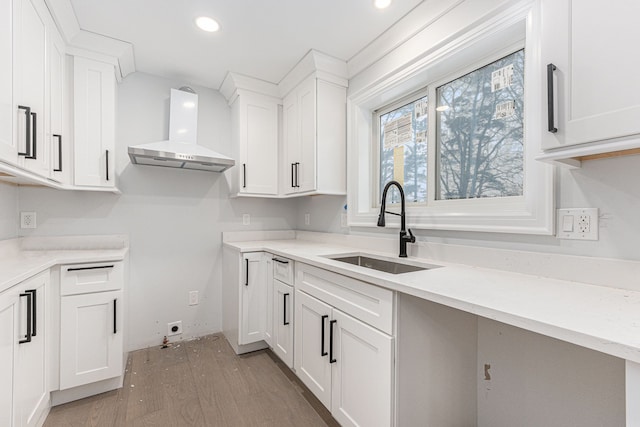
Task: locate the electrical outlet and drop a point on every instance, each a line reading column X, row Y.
column 578, row 224
column 307, row 219
column 246, row 219
column 193, row 298
column 174, row 328
column 27, row 220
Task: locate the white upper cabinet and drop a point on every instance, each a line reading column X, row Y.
column 255, row 122
column 8, row 149
column 57, row 135
column 589, row 50
column 314, row 138
column 30, row 84
column 94, row 111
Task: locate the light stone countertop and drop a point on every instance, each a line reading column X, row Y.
column 21, row 259
column 601, row 318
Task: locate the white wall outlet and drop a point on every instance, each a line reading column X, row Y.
column 307, row 219
column 343, row 220
column 578, row 224
column 246, row 219
column 174, row 328
column 27, row 220
column 193, row 298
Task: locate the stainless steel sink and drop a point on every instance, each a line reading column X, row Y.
column 382, row 264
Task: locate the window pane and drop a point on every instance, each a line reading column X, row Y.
column 480, row 132
column 403, row 151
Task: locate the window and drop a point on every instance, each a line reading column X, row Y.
column 459, row 124
column 479, row 125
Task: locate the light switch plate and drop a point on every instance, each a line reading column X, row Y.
column 578, row 224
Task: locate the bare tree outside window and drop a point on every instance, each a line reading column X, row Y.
column 480, row 132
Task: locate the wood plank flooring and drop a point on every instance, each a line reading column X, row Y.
column 199, row 383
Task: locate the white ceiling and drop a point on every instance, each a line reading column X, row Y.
column 258, row 38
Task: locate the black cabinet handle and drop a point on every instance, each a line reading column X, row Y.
column 280, row 261
column 285, row 322
column 550, row 99
column 246, row 274
column 244, row 175
column 292, row 183
column 59, row 168
column 27, row 337
column 331, row 359
column 27, row 145
column 107, row 163
column 322, row 322
column 34, row 310
column 297, row 175
column 34, row 136
column 115, row 318
column 95, row 267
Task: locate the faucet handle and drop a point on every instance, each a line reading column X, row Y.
column 411, row 238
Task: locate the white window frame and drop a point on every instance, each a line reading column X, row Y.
column 532, row 213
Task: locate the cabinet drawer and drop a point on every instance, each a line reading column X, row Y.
column 364, row 301
column 283, row 269
column 94, row 277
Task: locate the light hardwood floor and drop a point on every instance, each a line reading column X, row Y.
column 199, row 383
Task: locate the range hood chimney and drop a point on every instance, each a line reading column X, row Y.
column 181, row 150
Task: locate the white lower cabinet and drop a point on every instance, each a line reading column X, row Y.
column 283, row 322
column 253, row 296
column 347, row 364
column 24, row 390
column 91, row 323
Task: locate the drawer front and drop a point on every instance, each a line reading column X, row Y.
column 364, row 301
column 94, row 277
column 283, row 269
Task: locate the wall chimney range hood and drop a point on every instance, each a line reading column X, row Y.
column 181, row 150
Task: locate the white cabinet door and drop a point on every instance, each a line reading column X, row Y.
column 8, row 347
column 91, row 338
column 597, row 91
column 258, row 144
column 291, row 143
column 307, row 119
column 312, row 345
column 252, row 300
column 8, row 149
column 31, row 391
column 362, row 373
column 29, row 84
column 57, row 137
column 283, row 318
column 268, row 327
column 94, row 109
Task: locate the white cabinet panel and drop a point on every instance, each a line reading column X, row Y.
column 29, row 84
column 94, row 106
column 91, row 344
column 94, row 277
column 362, row 375
column 31, row 386
column 283, row 322
column 8, row 343
column 306, row 169
column 258, row 139
column 252, row 301
column 57, row 136
column 597, row 92
column 8, row 149
column 268, row 327
column 312, row 345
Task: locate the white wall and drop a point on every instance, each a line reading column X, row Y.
column 8, row 210
column 174, row 217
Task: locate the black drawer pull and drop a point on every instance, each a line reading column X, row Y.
column 115, row 318
column 246, row 275
column 27, row 337
column 280, row 261
column 107, row 163
column 59, row 168
column 331, row 358
column 97, row 267
column 27, row 145
column 322, row 322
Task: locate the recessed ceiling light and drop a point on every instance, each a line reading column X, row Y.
column 382, row 4
column 207, row 24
